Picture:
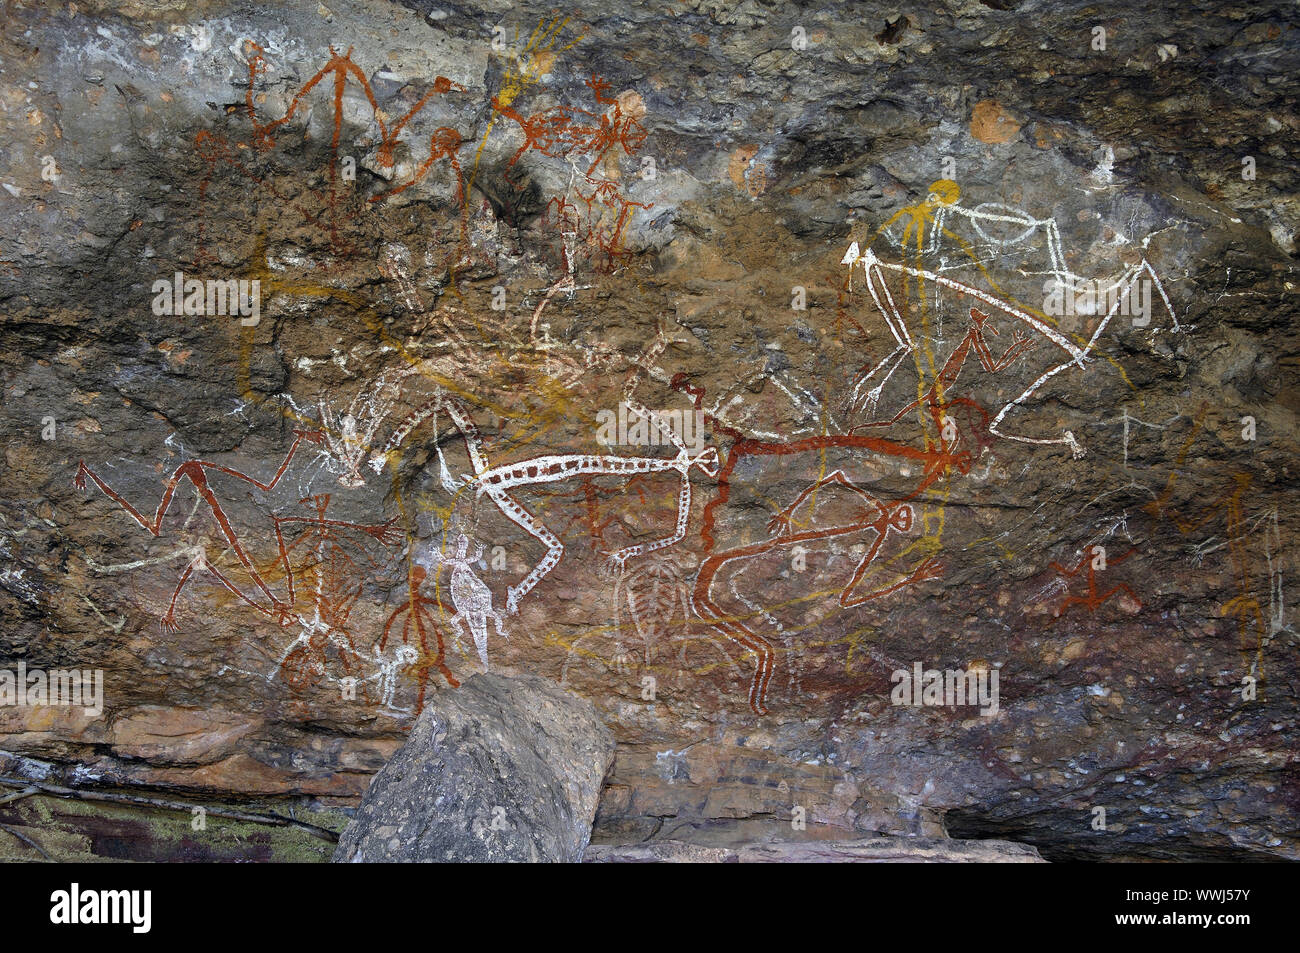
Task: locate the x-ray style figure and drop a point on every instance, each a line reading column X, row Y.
column 471, row 597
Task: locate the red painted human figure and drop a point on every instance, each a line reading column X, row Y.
column 602, row 230
column 196, row 473
column 340, row 70
column 974, row 340
column 560, row 131
column 882, row 519
column 1092, row 597
column 937, row 460
column 417, row 614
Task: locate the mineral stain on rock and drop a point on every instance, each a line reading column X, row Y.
column 991, row 123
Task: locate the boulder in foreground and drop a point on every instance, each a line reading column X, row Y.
column 501, row 769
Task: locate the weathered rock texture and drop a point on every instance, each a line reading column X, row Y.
column 879, row 850
column 505, row 769
column 506, row 252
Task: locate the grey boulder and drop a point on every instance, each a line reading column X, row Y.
column 501, row 769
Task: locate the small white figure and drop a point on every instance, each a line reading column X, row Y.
column 471, row 597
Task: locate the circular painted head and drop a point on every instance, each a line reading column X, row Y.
column 902, row 518
column 943, row 192
column 444, row 142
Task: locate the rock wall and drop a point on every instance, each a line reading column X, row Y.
column 734, row 366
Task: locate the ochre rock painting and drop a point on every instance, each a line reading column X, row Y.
column 351, row 355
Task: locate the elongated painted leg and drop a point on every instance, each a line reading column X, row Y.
column 520, row 516
column 929, row 568
column 618, row 559
column 736, row 632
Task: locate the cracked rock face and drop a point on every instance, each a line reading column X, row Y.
column 885, row 418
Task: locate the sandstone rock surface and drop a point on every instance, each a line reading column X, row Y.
column 840, row 236
column 879, row 850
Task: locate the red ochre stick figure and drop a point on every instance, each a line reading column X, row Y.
column 196, row 472
column 553, row 132
column 1095, row 560
column 342, row 69
column 882, row 518
column 418, row 612
column 938, row 459
column 619, row 126
column 549, row 132
column 443, row 144
column 947, row 376
column 605, row 234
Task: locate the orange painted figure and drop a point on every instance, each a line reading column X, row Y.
column 1093, row 597
column 882, row 518
column 947, row 377
column 340, row 70
column 564, row 131
column 607, row 215
column 418, row 611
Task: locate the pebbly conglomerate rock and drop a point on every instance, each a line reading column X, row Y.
column 505, row 769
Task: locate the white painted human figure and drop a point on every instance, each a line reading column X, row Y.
column 497, row 482
column 471, row 597
column 1021, row 229
column 1072, row 355
column 1273, row 553
column 941, row 207
column 404, row 656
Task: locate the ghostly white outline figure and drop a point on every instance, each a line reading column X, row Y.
column 404, row 656
column 648, row 590
column 470, row 596
column 1007, row 214
column 1273, row 553
column 997, row 212
column 348, row 437
column 1076, row 356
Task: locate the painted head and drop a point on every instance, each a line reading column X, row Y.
column 943, row 192
column 444, row 142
